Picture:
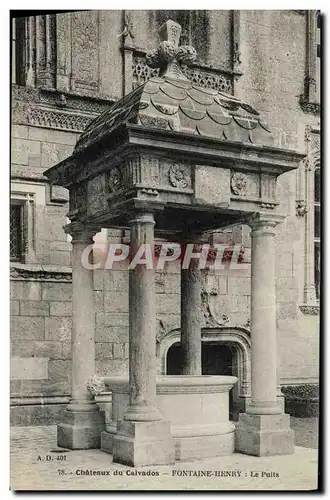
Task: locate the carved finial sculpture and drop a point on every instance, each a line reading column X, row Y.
column 169, row 55
column 96, row 385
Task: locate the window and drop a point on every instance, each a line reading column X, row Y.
column 13, row 51
column 309, row 207
column 18, row 47
column 16, row 232
column 310, row 99
column 26, row 199
column 317, row 231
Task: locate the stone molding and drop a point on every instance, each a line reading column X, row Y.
column 39, row 272
column 312, row 310
column 39, row 400
column 175, row 384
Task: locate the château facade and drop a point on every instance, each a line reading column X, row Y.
column 67, row 69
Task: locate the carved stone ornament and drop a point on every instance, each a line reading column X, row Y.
column 114, row 179
column 96, row 385
column 149, row 192
column 40, row 273
column 160, row 331
column 268, row 205
column 311, row 310
column 169, row 56
column 177, row 176
column 210, row 318
column 301, row 208
column 217, row 79
column 239, row 183
column 128, row 26
column 308, row 106
column 237, row 54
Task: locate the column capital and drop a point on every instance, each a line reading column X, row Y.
column 263, row 223
column 145, row 218
column 81, row 232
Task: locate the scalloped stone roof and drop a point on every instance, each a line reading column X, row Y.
column 181, row 106
column 172, row 102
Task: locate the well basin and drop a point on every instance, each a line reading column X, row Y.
column 197, row 408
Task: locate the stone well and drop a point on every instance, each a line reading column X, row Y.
column 197, row 408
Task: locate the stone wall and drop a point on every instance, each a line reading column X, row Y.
column 271, row 57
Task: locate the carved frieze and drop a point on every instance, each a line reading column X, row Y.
column 57, row 120
column 54, row 110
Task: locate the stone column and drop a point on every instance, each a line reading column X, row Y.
column 143, row 437
column 83, row 422
column 191, row 307
column 263, row 429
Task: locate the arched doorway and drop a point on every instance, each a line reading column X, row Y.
column 225, row 351
column 217, row 359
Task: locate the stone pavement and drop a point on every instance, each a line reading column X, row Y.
column 36, row 464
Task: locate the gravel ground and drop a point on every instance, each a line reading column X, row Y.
column 306, row 431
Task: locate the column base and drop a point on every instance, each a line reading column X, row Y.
column 264, row 435
column 81, row 430
column 143, row 443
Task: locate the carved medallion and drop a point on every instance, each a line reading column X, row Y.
column 177, row 176
column 239, row 184
column 114, row 179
